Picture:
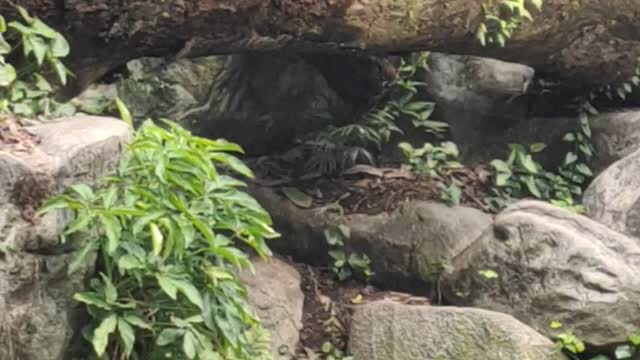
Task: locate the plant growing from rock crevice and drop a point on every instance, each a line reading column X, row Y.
column 345, row 264
column 169, row 228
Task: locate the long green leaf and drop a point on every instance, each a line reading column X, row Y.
column 127, row 336
column 101, row 334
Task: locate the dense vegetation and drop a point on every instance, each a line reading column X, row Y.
column 173, row 226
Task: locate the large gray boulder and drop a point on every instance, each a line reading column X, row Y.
column 386, row 330
column 276, row 295
column 414, row 242
column 37, row 313
column 485, row 103
column 613, row 198
column 158, row 87
column 553, row 265
column 615, row 135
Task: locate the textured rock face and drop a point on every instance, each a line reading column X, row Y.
column 414, row 242
column 613, row 198
column 157, row 88
column 275, row 293
column 261, row 101
column 391, row 331
column 483, row 102
column 615, row 135
column 553, row 265
column 36, row 310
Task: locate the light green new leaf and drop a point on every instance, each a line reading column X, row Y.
column 137, row 322
column 190, row 291
column 101, row 334
column 60, row 47
column 157, row 239
column 7, row 74
column 533, row 188
column 90, row 298
column 189, row 345
column 127, row 336
column 113, row 230
column 125, row 115
column 110, row 291
column 501, row 166
column 166, row 284
column 488, row 274
column 168, row 336
column 537, row 147
column 80, row 223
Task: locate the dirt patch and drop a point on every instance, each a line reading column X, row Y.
column 14, row 137
column 371, row 190
column 328, row 306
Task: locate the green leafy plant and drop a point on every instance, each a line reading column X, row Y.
column 502, row 18
column 521, row 176
column 31, row 44
column 345, row 265
column 431, row 160
column 331, row 352
column 170, row 229
column 436, row 162
column 570, row 344
column 573, row 347
column 338, row 148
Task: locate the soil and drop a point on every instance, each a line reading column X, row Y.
column 373, row 190
column 328, row 307
column 14, row 137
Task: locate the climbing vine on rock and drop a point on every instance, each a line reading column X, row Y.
column 170, row 229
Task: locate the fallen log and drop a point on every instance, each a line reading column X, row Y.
column 584, row 43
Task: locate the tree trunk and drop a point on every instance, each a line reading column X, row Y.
column 588, row 42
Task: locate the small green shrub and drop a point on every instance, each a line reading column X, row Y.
column 338, row 148
column 520, row 176
column 345, row 265
column 430, row 160
column 24, row 91
column 170, row 228
column 436, row 162
column 502, row 18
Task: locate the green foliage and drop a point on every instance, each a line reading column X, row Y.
column 520, row 176
column 430, row 160
column 502, row 18
column 30, row 44
column 331, row 352
column 569, row 343
column 169, row 227
column 436, row 162
column 345, row 265
column 573, row 347
column 338, row 148
column 575, row 169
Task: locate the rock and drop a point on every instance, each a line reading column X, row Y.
column 38, row 314
column 615, row 135
column 276, row 295
column 393, row 331
column 414, row 242
column 552, row 265
column 613, row 197
column 483, row 101
column 158, row 88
